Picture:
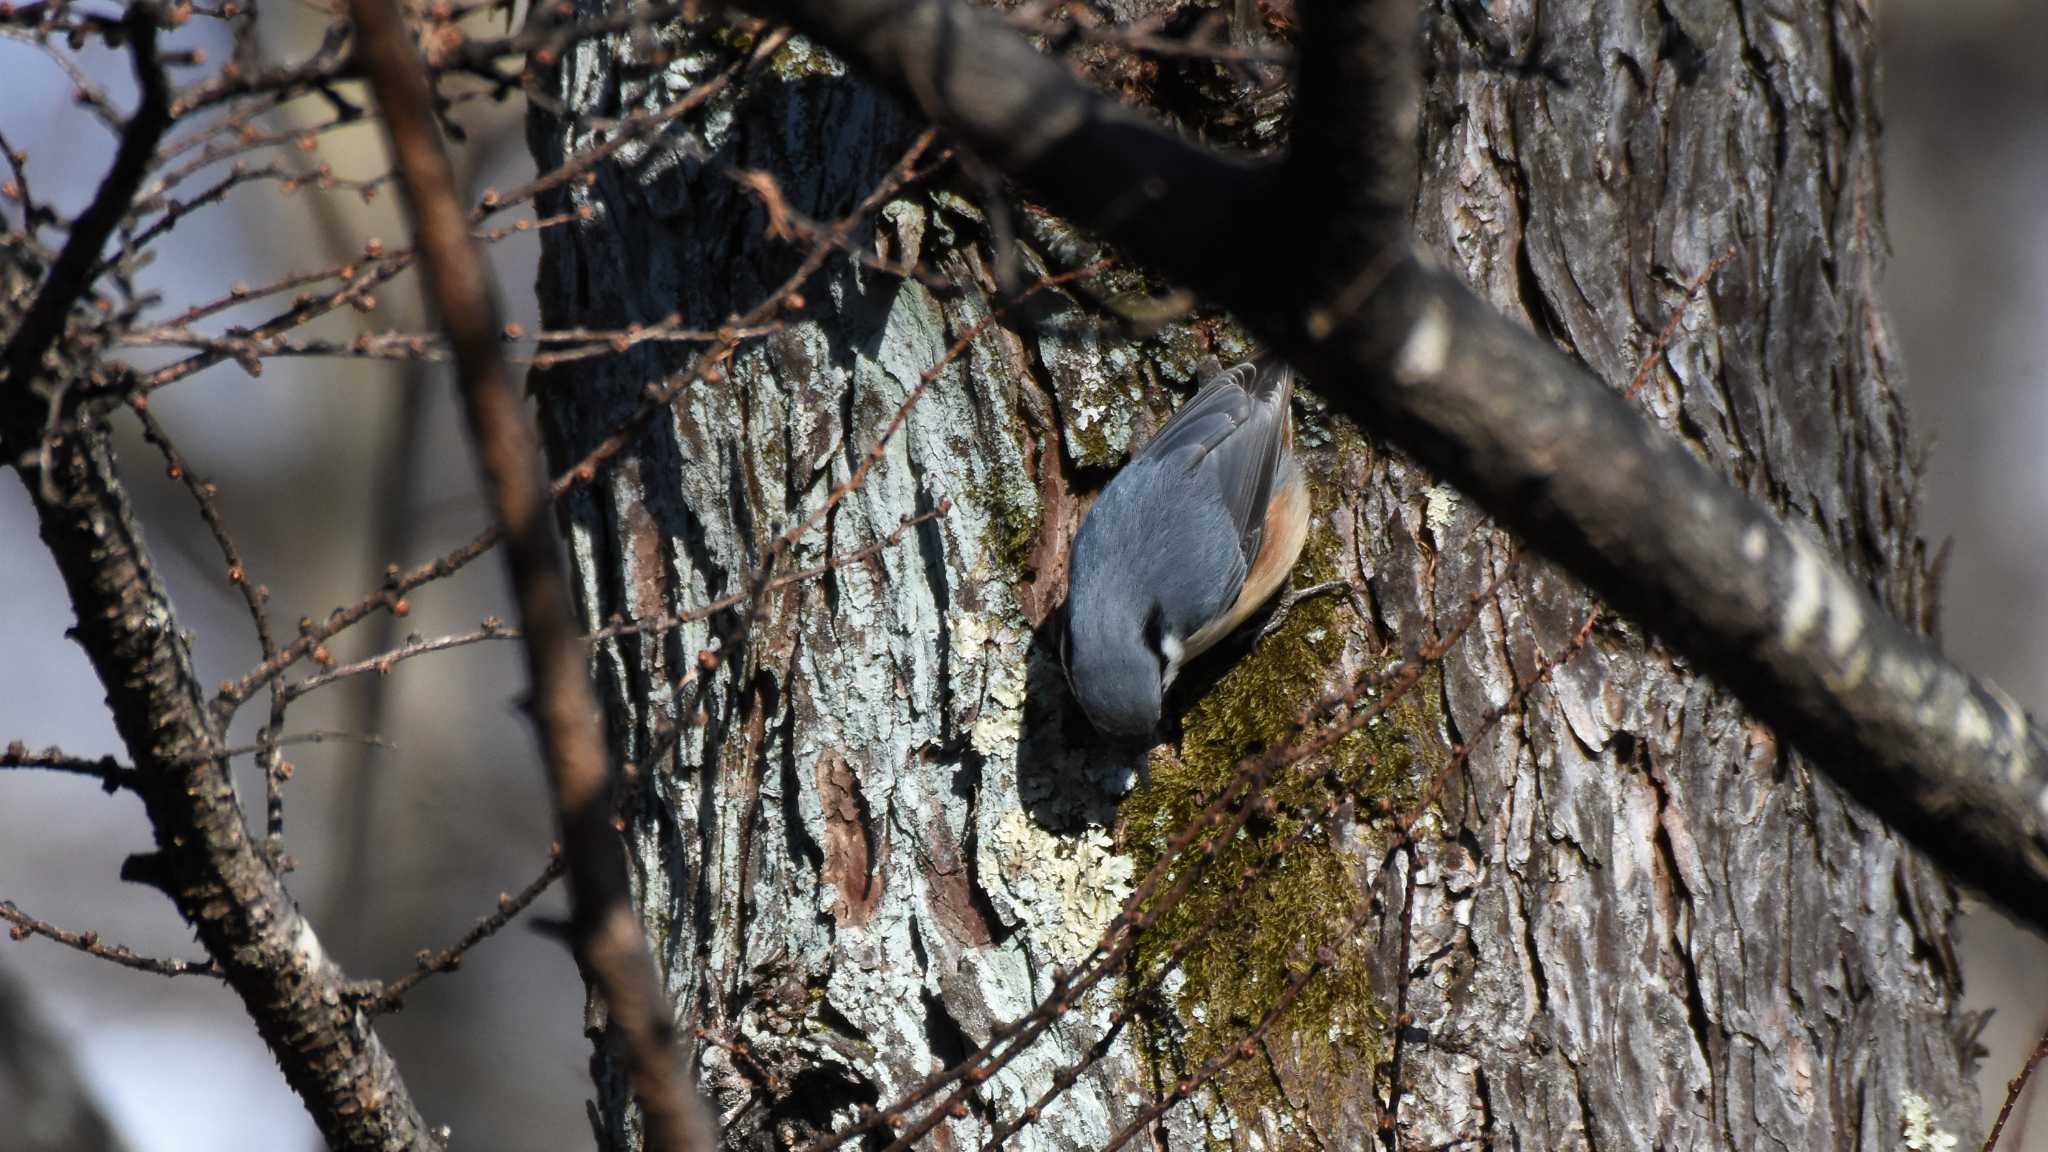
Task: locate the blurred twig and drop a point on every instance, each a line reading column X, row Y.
column 72, row 275
column 605, row 932
column 379, row 998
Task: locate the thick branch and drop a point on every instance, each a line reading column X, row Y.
column 1323, row 271
column 205, row 860
column 1105, row 165
column 605, row 931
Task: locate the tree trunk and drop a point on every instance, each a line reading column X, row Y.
column 872, row 833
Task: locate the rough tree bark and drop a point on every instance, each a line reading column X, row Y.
column 1634, row 923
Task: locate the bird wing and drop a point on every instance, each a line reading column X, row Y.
column 1238, row 431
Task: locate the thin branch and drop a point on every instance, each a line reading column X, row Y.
column 2017, row 1085
column 71, row 278
column 25, row 926
column 491, row 629
column 111, row 773
column 605, row 932
column 256, row 597
column 379, row 998
column 1663, row 340
column 315, row 737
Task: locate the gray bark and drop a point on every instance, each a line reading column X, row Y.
column 1636, row 923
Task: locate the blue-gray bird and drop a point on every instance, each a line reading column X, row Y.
column 1184, row 545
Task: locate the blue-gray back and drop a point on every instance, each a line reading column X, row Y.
column 1178, row 527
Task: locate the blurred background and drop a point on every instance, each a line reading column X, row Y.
column 1966, row 163
column 329, row 469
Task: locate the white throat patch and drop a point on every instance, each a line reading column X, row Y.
column 1170, row 647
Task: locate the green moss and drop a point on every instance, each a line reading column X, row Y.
column 1091, row 446
column 734, row 37
column 1013, row 526
column 1235, row 972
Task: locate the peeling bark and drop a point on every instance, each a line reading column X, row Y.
column 1637, row 923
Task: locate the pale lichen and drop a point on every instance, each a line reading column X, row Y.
column 1917, row 1126
column 1099, row 388
column 799, row 58
column 998, row 728
column 1072, row 886
column 1440, row 504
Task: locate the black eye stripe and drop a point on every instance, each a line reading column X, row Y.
column 1155, row 638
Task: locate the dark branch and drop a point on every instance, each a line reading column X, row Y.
column 72, row 275
column 605, row 931
column 112, row 774
column 379, row 998
column 1324, row 271
column 2013, row 1088
column 205, row 860
column 24, row 926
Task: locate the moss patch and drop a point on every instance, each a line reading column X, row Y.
column 732, row 36
column 1233, row 974
column 1013, row 526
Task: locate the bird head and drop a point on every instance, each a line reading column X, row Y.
column 1118, row 666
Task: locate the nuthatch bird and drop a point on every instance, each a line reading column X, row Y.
column 1184, row 544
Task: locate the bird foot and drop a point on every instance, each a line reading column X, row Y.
column 1293, row 596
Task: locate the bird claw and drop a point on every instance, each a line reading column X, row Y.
column 1293, row 596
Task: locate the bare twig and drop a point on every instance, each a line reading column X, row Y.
column 1663, row 340
column 25, row 926
column 2013, row 1089
column 71, row 278
column 389, row 997
column 256, row 597
column 111, row 773
column 605, row 931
